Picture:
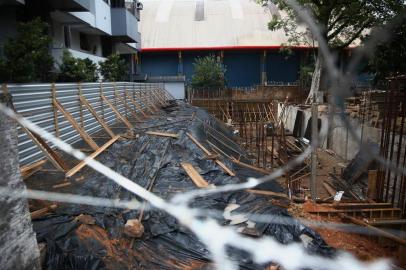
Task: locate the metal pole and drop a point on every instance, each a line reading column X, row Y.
column 314, row 143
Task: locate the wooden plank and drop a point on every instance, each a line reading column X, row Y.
column 55, row 110
column 375, row 230
column 208, row 153
column 163, row 134
column 118, row 114
column 85, row 136
column 245, row 165
column 104, row 125
column 49, row 153
column 41, row 212
column 122, row 101
column 329, row 189
column 28, row 170
column 268, row 193
column 194, row 175
column 136, row 104
column 372, row 178
column 82, row 164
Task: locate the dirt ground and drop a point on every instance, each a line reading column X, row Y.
column 362, row 246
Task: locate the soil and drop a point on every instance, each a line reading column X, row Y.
column 363, row 247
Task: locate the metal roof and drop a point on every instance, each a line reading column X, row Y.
column 207, row 24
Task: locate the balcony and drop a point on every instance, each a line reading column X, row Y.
column 70, row 5
column 57, row 54
column 124, row 26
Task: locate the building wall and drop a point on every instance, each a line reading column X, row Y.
column 243, row 68
column 160, row 64
column 8, row 25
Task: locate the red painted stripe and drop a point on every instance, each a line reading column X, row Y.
column 223, row 48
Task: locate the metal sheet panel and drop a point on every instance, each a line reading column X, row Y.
column 34, row 101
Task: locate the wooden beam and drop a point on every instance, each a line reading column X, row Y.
column 122, row 101
column 372, row 179
column 82, row 164
column 208, row 153
column 249, row 166
column 97, row 117
column 163, row 134
column 118, row 114
column 194, row 175
column 41, row 212
column 28, row 170
column 49, row 153
column 375, row 230
column 136, row 104
column 268, row 193
column 55, row 111
column 85, row 136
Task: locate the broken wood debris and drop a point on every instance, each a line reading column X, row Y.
column 208, row 153
column 194, row 175
column 82, row 164
column 163, row 134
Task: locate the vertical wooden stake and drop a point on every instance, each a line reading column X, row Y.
column 372, row 177
column 101, row 101
column 80, row 105
column 56, row 125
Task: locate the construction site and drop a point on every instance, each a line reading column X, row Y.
column 266, row 169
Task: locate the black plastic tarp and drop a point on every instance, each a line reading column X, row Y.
column 165, row 244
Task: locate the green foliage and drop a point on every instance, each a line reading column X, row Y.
column 114, row 69
column 208, row 73
column 341, row 21
column 77, row 70
column 27, row 57
column 389, row 58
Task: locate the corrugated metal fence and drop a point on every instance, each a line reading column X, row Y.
column 35, row 102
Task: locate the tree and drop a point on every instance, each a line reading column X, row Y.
column 389, row 58
column 77, row 70
column 208, row 73
column 341, row 23
column 27, row 56
column 114, row 68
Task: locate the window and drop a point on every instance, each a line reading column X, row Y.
column 84, row 42
column 66, row 36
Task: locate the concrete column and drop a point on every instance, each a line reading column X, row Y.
column 18, row 243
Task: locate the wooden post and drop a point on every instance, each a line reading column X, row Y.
column 56, row 125
column 118, row 114
column 80, row 105
column 85, row 136
column 97, row 117
column 101, row 101
column 372, row 191
column 314, row 143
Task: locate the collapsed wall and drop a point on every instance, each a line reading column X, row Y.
column 89, row 237
column 18, row 244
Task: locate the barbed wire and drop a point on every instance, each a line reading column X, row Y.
column 201, row 221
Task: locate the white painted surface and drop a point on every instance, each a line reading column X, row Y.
column 103, row 16
column 176, row 89
column 58, row 53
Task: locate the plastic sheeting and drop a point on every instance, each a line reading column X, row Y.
column 71, row 244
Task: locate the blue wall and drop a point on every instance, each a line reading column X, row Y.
column 159, row 64
column 282, row 68
column 243, row 67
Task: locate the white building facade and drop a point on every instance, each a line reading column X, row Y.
column 91, row 29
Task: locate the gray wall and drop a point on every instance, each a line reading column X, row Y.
column 18, row 243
